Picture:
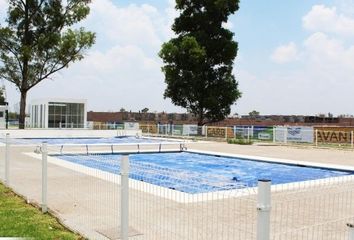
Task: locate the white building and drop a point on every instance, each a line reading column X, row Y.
column 58, row 113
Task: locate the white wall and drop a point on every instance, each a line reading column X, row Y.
column 57, row 133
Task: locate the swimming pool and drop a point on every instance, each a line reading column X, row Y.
column 200, row 173
column 86, row 140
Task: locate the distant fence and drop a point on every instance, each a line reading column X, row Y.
column 316, row 136
column 307, row 135
column 115, row 205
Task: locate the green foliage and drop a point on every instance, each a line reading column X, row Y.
column 13, row 116
column 254, row 113
column 17, row 219
column 240, row 141
column 39, row 40
column 198, row 63
column 144, row 110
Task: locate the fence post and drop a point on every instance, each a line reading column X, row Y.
column 285, row 134
column 316, row 137
column 124, row 204
column 274, row 129
column 7, row 159
column 226, row 133
column 351, row 231
column 352, row 139
column 263, row 209
column 248, row 134
column 44, row 177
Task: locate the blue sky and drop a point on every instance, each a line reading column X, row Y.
column 295, row 57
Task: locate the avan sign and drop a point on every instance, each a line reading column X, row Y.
column 334, row 134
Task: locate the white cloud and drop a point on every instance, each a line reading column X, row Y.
column 3, row 9
column 346, row 6
column 320, row 81
column 170, row 13
column 320, row 47
column 228, row 25
column 133, row 24
column 330, row 58
column 327, row 19
column 285, row 53
column 3, row 4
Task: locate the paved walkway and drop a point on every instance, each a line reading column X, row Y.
column 311, row 154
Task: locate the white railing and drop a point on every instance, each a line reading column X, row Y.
column 101, row 203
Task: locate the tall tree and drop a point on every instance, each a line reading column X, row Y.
column 198, row 62
column 39, row 40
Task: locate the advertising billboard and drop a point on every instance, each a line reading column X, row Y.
column 294, row 134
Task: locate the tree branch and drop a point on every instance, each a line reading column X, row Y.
column 18, row 60
column 23, row 3
column 8, row 79
column 54, row 69
column 36, row 10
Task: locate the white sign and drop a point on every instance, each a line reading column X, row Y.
column 264, row 136
column 294, row 134
column 131, row 126
column 190, row 130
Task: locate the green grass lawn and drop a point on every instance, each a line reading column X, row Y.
column 18, row 219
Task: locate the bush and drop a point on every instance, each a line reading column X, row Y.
column 240, row 141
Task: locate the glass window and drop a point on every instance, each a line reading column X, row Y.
column 40, row 115
column 35, row 116
column 51, row 109
column 68, row 114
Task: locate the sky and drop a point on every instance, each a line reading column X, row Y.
column 295, row 57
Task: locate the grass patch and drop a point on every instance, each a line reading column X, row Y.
column 18, row 219
column 240, row 141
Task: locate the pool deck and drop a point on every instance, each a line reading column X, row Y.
column 297, row 153
column 90, row 205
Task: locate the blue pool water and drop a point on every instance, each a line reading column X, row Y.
column 59, row 141
column 199, row 173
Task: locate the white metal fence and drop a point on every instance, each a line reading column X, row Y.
column 319, row 136
column 312, row 136
column 102, row 203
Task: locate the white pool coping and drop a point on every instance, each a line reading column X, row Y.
column 163, row 141
column 182, row 197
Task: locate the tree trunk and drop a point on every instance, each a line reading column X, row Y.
column 201, row 120
column 22, row 109
column 201, row 117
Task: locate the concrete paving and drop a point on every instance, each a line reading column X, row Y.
column 90, row 205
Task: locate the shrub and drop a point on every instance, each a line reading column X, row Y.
column 240, row 141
